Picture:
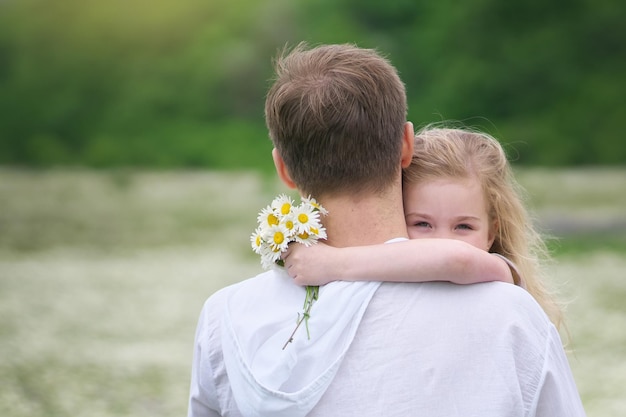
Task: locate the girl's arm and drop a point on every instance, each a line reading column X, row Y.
column 416, row 260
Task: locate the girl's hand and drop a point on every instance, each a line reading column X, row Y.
column 312, row 265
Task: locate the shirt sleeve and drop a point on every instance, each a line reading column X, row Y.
column 517, row 277
column 202, row 393
column 557, row 394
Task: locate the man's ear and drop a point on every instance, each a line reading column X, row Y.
column 408, row 139
column 281, row 169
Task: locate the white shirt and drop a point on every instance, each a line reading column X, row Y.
column 440, row 349
column 430, row 349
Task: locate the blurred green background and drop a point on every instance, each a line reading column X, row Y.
column 134, row 158
column 157, row 83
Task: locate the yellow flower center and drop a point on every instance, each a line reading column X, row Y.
column 303, row 218
column 271, row 219
column 258, row 241
column 279, row 238
column 315, row 231
column 285, row 209
column 303, row 235
column 289, row 224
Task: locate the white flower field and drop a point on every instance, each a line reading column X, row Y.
column 103, row 275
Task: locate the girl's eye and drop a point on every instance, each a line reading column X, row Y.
column 422, row 224
column 464, row 227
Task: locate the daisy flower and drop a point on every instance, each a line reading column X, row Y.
column 313, row 202
column 305, row 217
column 267, row 217
column 282, row 205
column 256, row 241
column 277, row 236
column 270, row 257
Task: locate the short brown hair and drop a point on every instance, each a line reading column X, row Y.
column 336, row 115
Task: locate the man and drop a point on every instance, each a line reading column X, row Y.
column 337, row 117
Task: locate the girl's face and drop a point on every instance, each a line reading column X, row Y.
column 448, row 208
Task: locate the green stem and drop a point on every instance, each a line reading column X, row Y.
column 312, row 294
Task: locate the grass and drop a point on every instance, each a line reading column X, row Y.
column 585, row 209
column 108, row 333
column 103, row 274
column 595, row 287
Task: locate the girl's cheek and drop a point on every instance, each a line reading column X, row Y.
column 416, row 233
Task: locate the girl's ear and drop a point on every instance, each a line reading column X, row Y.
column 408, row 139
column 281, row 169
column 493, row 230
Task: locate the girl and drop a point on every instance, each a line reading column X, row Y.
column 462, row 207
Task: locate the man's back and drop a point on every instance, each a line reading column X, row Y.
column 439, row 349
column 431, row 349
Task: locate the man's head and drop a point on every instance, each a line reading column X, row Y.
column 337, row 115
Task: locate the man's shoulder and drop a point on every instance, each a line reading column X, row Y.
column 484, row 290
column 248, row 285
column 507, row 302
column 493, row 318
column 490, row 293
column 507, row 297
column 497, row 293
column 487, row 302
column 271, row 289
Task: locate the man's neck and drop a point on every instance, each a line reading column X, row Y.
column 364, row 220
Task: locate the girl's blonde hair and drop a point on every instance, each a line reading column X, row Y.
column 462, row 153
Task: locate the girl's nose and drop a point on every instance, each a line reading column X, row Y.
column 444, row 234
column 441, row 234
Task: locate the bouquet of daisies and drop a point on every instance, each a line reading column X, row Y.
column 281, row 223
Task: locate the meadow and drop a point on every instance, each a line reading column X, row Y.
column 103, row 274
